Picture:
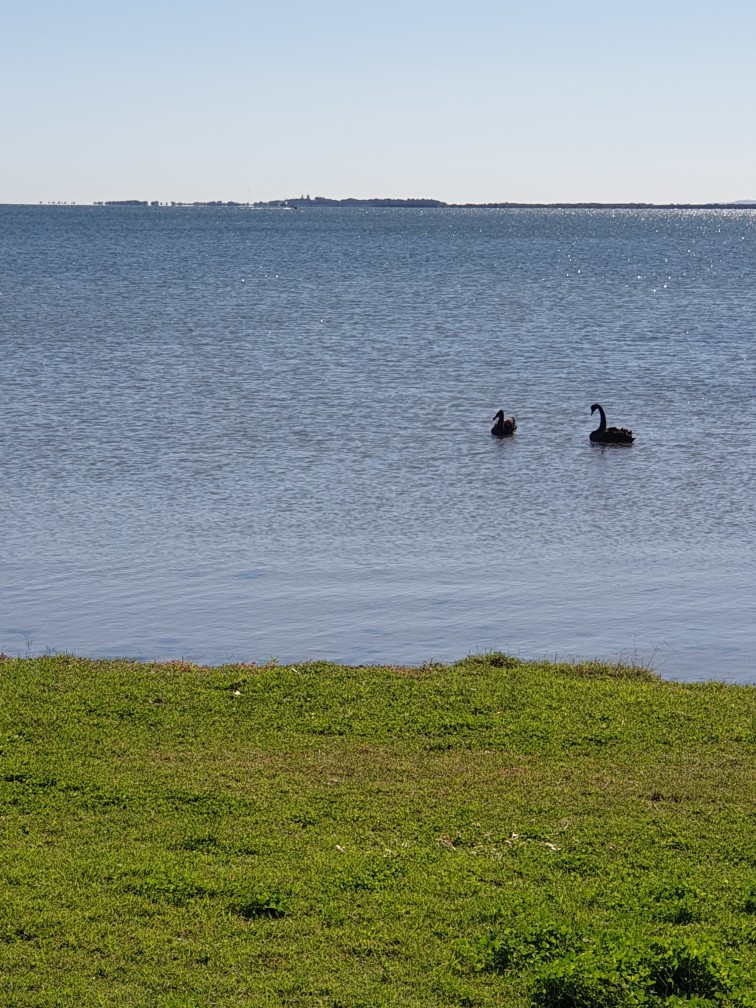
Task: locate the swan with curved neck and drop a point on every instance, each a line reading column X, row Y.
column 503, row 426
column 609, row 435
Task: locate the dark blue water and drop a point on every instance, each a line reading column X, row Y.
column 231, row 434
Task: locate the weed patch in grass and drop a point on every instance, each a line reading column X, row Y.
column 270, row 905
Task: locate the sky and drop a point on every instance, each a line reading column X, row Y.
column 476, row 101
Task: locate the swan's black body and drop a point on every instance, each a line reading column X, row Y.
column 504, row 426
column 609, row 435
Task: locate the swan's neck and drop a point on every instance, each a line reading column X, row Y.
column 602, row 424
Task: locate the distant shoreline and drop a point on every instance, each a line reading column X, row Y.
column 321, row 202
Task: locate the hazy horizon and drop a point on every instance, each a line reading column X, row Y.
column 745, row 203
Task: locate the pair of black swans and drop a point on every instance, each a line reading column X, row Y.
column 505, row 426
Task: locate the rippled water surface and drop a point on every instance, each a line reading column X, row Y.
column 231, row 434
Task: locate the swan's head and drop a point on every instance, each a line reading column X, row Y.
column 595, row 407
column 499, row 414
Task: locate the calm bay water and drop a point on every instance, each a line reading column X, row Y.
column 230, row 434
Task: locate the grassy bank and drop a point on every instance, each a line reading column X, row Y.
column 486, row 833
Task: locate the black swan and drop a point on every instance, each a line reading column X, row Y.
column 609, row 435
column 504, row 426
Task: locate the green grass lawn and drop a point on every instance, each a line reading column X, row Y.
column 489, row 833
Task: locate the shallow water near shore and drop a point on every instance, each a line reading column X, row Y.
column 229, row 434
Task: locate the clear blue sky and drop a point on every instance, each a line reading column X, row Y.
column 463, row 101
